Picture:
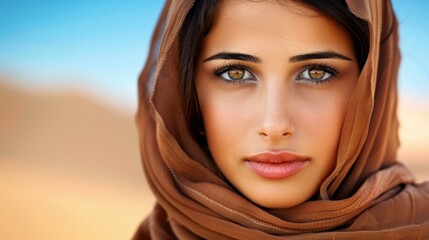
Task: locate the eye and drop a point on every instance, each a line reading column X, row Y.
column 236, row 74
column 317, row 73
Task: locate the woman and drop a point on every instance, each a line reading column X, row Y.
column 276, row 120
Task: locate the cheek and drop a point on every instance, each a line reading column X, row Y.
column 223, row 122
column 327, row 109
column 321, row 122
column 229, row 115
column 328, row 124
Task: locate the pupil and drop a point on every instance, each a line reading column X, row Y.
column 236, row 73
column 316, row 73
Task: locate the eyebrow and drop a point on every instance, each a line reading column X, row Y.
column 318, row 55
column 297, row 58
column 234, row 56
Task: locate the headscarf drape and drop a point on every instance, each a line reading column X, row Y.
column 369, row 195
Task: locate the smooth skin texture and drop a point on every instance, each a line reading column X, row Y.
column 274, row 77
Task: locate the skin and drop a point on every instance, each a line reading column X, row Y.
column 277, row 108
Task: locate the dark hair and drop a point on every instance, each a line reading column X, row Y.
column 198, row 23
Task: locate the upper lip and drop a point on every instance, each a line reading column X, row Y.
column 277, row 157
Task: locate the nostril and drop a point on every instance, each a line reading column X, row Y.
column 273, row 136
column 263, row 134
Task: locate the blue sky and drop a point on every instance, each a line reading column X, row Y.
column 101, row 46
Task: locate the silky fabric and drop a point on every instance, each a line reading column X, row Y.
column 369, row 194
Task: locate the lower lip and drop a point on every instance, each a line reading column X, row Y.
column 276, row 170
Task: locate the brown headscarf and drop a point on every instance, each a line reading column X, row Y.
column 369, row 195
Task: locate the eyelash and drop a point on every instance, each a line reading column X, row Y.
column 218, row 71
column 321, row 66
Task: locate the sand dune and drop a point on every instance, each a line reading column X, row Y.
column 70, row 168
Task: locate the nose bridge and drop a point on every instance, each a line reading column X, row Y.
column 276, row 120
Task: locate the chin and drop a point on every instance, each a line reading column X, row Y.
column 278, row 204
column 274, row 200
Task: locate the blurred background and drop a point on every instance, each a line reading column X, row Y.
column 69, row 157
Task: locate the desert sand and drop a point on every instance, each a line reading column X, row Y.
column 70, row 166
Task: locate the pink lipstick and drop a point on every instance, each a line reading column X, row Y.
column 277, row 165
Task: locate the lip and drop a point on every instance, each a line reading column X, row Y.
column 277, row 165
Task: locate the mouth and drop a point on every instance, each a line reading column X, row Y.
column 277, row 165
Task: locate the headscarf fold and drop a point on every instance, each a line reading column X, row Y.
column 369, row 195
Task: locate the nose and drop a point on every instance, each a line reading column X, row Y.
column 276, row 121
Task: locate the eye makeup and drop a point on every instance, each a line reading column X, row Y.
column 221, row 72
column 320, row 73
column 325, row 73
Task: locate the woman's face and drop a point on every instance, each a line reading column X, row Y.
column 273, row 85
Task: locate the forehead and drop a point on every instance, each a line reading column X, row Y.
column 285, row 26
